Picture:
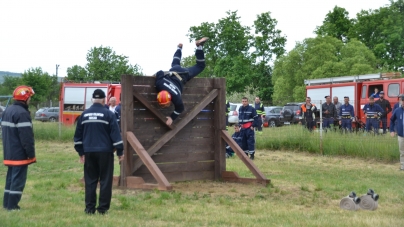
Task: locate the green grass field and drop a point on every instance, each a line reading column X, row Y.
column 305, row 191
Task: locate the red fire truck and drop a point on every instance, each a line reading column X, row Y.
column 76, row 97
column 357, row 88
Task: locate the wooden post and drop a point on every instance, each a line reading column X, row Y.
column 127, row 125
column 219, row 125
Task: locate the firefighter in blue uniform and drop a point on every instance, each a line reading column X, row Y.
column 237, row 136
column 259, row 107
column 97, row 135
column 307, row 114
column 329, row 113
column 373, row 112
column 227, row 114
column 169, row 85
column 346, row 115
column 248, row 120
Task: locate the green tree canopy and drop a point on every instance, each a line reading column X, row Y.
column 319, row 57
column 103, row 64
column 42, row 83
column 336, row 24
column 77, row 73
column 244, row 59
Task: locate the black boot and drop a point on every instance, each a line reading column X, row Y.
column 252, row 156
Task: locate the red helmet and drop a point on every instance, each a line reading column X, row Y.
column 163, row 97
column 22, row 93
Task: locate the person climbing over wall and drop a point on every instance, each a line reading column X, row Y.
column 169, row 85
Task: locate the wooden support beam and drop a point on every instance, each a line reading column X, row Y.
column 240, row 153
column 231, row 176
column 181, row 124
column 126, row 125
column 151, row 108
column 151, row 166
column 219, row 125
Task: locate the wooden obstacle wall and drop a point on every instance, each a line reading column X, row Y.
column 193, row 148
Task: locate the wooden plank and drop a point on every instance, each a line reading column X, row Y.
column 174, row 148
column 179, row 125
column 181, row 176
column 220, row 124
column 179, row 167
column 186, row 98
column 183, row 157
column 240, row 153
column 151, row 108
column 126, row 125
column 146, row 159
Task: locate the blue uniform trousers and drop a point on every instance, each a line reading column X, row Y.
column 193, row 70
column 15, row 183
column 327, row 122
column 248, row 136
column 372, row 123
column 346, row 123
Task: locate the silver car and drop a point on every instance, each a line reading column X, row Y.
column 47, row 114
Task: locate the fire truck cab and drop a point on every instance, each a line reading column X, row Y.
column 357, row 88
column 76, row 97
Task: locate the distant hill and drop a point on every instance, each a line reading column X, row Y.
column 5, row 73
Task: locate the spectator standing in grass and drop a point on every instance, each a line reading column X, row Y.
column 307, row 114
column 18, row 146
column 329, row 112
column 385, row 105
column 346, row 115
column 259, row 107
column 97, row 135
column 397, row 122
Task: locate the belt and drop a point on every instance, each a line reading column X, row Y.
column 371, row 117
column 346, row 117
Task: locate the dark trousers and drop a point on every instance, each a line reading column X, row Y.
column 98, row 166
column 15, row 183
column 346, row 123
column 248, row 144
column 384, row 124
column 327, row 122
column 259, row 120
column 193, row 70
column 372, row 123
column 310, row 123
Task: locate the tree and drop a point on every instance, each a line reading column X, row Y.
column 319, row 57
column 77, row 73
column 336, row 24
column 242, row 58
column 42, row 83
column 9, row 84
column 103, row 64
column 382, row 30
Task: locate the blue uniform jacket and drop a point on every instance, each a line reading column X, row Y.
column 396, row 106
column 248, row 114
column 18, row 136
column 97, row 131
column 396, row 120
column 237, row 136
column 346, row 111
column 371, row 110
column 174, row 86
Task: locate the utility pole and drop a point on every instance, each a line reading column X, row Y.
column 60, row 123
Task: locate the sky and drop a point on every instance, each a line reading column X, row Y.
column 46, row 33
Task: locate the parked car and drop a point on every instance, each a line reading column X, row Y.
column 233, row 114
column 272, row 114
column 47, row 114
column 290, row 113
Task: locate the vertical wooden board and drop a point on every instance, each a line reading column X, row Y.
column 126, row 124
column 219, row 123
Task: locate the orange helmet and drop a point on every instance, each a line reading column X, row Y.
column 22, row 93
column 164, row 97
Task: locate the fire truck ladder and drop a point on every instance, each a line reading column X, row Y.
column 342, row 79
